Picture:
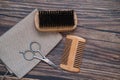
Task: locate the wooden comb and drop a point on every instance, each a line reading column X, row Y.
column 72, row 56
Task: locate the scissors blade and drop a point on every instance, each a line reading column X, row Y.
column 49, row 62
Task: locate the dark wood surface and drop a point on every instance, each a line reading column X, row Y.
column 98, row 22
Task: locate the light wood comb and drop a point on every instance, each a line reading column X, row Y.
column 71, row 59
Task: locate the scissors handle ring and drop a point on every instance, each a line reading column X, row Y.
column 33, row 43
column 27, row 52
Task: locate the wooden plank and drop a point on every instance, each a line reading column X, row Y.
column 98, row 22
column 14, row 78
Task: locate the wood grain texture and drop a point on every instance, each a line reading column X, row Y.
column 98, row 22
column 14, row 78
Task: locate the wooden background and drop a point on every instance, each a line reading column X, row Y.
column 98, row 22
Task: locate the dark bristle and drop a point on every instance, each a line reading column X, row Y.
column 79, row 54
column 56, row 18
column 66, row 51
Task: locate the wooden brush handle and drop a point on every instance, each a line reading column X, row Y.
column 71, row 58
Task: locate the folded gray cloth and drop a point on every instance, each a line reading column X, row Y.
column 18, row 39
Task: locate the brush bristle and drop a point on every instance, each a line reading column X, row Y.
column 78, row 56
column 66, row 51
column 56, row 18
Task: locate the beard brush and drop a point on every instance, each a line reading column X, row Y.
column 72, row 56
column 55, row 21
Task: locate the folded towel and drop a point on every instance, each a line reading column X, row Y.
column 18, row 39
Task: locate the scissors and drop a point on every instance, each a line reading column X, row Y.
column 33, row 53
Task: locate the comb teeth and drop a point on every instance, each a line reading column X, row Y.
column 72, row 56
column 66, row 51
column 78, row 56
column 56, row 18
